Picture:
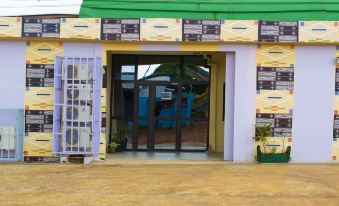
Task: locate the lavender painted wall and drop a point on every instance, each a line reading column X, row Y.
column 229, row 110
column 13, row 74
column 313, row 103
column 242, row 103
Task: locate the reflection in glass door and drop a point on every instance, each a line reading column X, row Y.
column 165, row 113
column 162, row 100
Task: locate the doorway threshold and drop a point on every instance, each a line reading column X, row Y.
column 149, row 158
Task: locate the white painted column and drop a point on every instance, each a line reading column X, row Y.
column 229, row 106
column 313, row 103
column 242, row 102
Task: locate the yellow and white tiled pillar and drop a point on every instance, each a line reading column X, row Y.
column 39, row 97
column 274, row 98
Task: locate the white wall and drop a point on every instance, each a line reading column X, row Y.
column 242, row 101
column 229, row 106
column 313, row 103
column 13, row 74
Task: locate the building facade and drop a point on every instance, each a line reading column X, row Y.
column 170, row 84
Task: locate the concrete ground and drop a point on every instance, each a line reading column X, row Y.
column 181, row 182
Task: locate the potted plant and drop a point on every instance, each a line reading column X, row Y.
column 270, row 154
column 112, row 147
column 119, row 137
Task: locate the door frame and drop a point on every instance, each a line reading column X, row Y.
column 153, row 84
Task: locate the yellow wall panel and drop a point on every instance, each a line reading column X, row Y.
column 274, row 101
column 335, row 150
column 80, row 28
column 239, row 30
column 269, row 55
column 103, row 100
column 39, row 98
column 10, row 26
column 38, row 144
column 42, row 52
column 160, row 29
column 336, row 103
column 319, row 31
column 102, row 149
column 199, row 47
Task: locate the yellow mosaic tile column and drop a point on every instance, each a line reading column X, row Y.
column 102, row 149
column 274, row 99
column 39, row 97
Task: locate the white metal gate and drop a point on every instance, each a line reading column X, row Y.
column 76, row 119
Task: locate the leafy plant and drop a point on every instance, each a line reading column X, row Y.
column 113, row 145
column 120, row 133
column 262, row 133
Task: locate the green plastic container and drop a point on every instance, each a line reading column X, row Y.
column 274, row 158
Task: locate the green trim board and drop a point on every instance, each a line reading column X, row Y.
column 213, row 9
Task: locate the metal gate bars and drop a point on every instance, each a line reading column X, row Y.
column 76, row 117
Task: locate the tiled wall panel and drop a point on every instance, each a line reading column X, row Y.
column 239, row 31
column 39, row 98
column 42, row 52
column 102, row 150
column 120, row 29
column 80, row 28
column 278, row 31
column 10, row 26
column 38, row 144
column 172, row 30
column 274, row 99
column 200, row 30
column 269, row 55
column 160, row 29
column 319, row 31
column 39, row 95
column 41, row 27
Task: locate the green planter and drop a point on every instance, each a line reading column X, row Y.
column 274, row 158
